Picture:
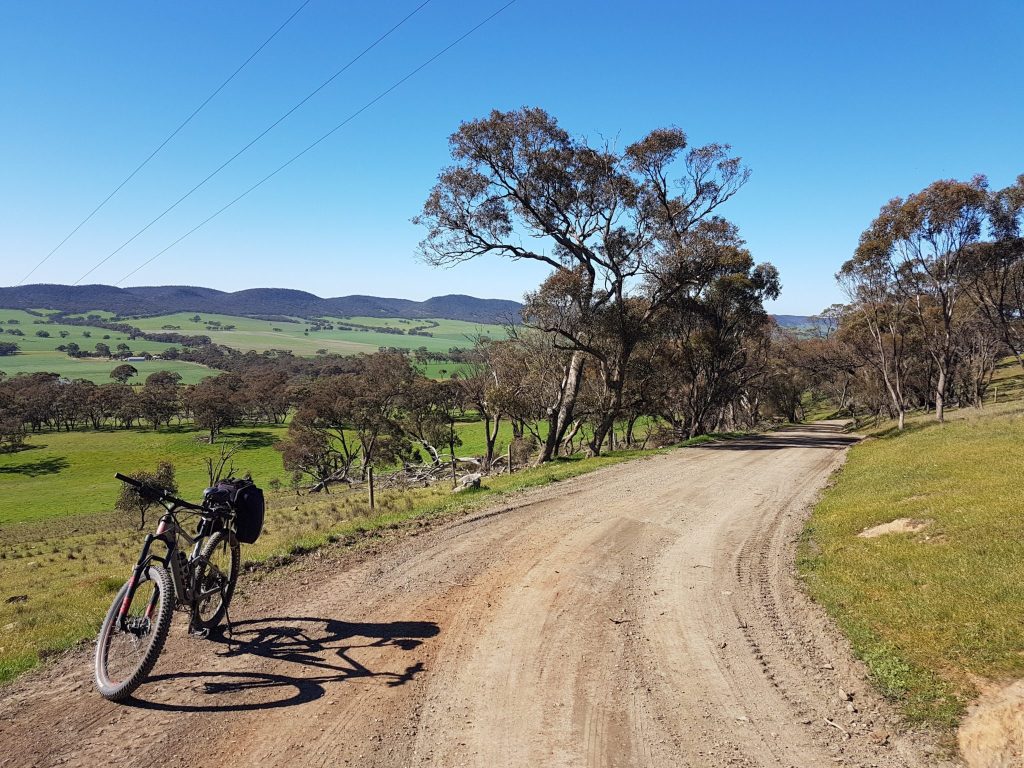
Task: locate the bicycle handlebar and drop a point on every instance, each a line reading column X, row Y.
column 130, row 480
column 158, row 494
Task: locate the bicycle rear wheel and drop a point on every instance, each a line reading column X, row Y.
column 219, row 563
column 127, row 650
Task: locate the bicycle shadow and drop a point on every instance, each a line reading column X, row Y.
column 323, row 649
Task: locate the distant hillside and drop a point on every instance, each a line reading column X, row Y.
column 795, row 321
column 166, row 299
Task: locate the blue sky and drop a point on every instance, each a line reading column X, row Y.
column 836, row 107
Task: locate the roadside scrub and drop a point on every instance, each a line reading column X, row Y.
column 60, row 575
column 933, row 609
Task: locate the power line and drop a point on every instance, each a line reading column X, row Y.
column 331, row 132
column 259, row 136
column 162, row 144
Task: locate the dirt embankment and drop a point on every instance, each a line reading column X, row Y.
column 644, row 615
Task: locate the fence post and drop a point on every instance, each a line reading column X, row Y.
column 369, row 476
column 455, row 479
column 510, row 458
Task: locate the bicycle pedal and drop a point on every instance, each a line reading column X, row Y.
column 199, row 634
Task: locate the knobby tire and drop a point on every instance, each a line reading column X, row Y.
column 148, row 640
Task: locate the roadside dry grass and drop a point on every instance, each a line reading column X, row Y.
column 931, row 611
column 59, row 575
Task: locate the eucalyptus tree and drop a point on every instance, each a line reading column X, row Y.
column 484, row 386
column 613, row 226
column 351, row 416
column 534, row 384
column 429, row 414
column 995, row 273
column 123, row 372
column 308, row 450
column 923, row 242
column 215, row 403
column 160, row 397
column 715, row 335
column 878, row 308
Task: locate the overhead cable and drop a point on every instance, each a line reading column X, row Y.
column 259, row 136
column 323, row 138
column 163, row 143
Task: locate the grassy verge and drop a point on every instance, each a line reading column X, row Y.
column 59, row 576
column 928, row 611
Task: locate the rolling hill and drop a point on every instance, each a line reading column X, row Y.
column 149, row 301
column 158, row 300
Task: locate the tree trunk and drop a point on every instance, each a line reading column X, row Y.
column 434, row 455
column 567, row 440
column 630, row 425
column 490, row 436
column 560, row 418
column 940, row 395
column 606, row 424
column 615, row 382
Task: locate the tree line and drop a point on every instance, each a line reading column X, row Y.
column 35, row 402
column 935, row 299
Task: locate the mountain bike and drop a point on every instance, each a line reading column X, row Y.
column 200, row 582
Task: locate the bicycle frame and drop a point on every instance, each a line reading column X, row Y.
column 167, row 533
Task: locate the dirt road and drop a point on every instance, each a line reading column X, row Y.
column 644, row 615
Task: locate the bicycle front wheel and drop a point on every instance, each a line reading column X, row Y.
column 219, row 563
column 127, row 649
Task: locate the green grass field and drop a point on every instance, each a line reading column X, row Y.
column 260, row 335
column 443, row 370
column 98, row 369
column 72, row 473
column 928, row 610
column 40, row 353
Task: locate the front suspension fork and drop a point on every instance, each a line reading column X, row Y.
column 137, row 573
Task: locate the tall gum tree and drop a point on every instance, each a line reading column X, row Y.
column 717, row 333
column 613, row 227
column 878, row 307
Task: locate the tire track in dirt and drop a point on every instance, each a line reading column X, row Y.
column 643, row 615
